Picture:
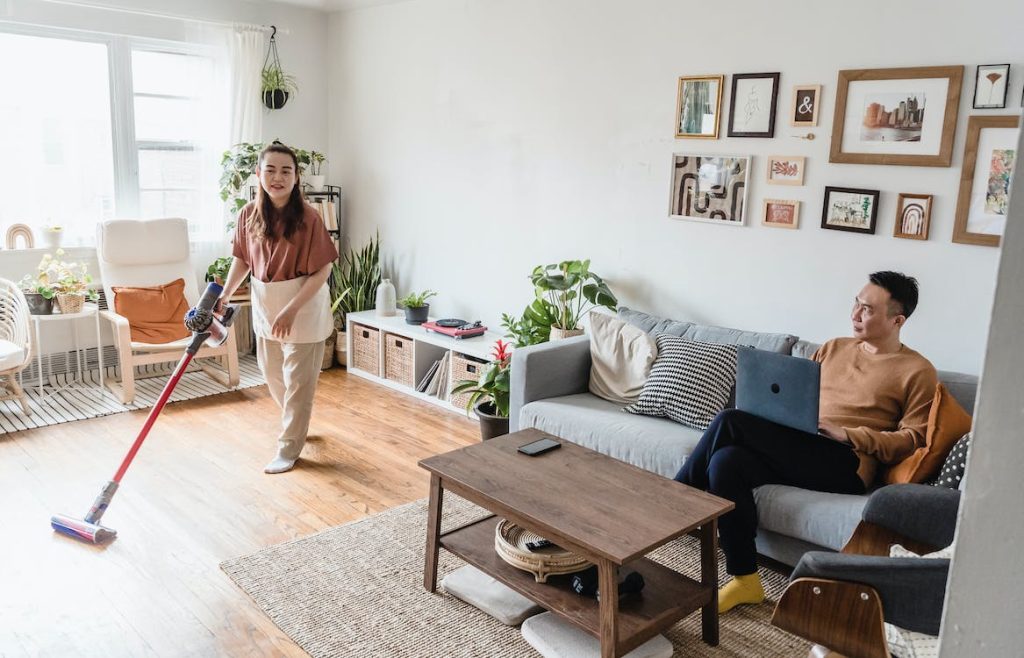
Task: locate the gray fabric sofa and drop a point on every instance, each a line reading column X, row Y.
column 550, row 385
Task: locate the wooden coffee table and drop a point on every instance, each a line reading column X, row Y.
column 604, row 509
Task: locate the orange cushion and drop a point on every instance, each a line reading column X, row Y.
column 947, row 422
column 156, row 314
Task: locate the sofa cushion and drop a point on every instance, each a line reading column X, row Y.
column 690, row 381
column 947, row 422
column 621, row 357
column 781, row 343
column 155, row 313
column 654, row 444
column 653, row 324
column 825, row 519
column 952, row 473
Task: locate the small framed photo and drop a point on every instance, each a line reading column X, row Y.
column 990, row 85
column 709, row 188
column 805, row 106
column 982, row 205
column 754, row 97
column 781, row 213
column 913, row 214
column 786, row 169
column 698, row 106
column 850, row 209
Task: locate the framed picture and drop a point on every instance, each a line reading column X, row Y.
column 709, row 188
column 786, row 169
column 781, row 213
column 990, row 84
column 698, row 106
column 752, row 112
column 896, row 116
column 849, row 209
column 913, row 214
column 805, row 106
column 989, row 155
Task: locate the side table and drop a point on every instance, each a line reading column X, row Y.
column 88, row 310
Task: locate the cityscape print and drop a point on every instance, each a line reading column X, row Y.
column 893, row 118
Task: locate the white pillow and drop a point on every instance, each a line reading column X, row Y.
column 621, row 356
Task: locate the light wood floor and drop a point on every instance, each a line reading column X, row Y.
column 194, row 496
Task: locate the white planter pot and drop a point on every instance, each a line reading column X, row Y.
column 557, row 333
column 52, row 239
column 316, row 182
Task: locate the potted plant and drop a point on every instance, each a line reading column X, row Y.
column 69, row 280
column 416, row 306
column 489, row 397
column 38, row 294
column 353, row 287
column 534, row 326
column 572, row 290
column 238, row 164
column 315, row 178
column 218, row 270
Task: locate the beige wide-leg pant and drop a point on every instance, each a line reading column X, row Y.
column 291, row 371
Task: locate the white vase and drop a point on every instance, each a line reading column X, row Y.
column 386, row 303
column 316, row 182
column 52, row 239
column 341, row 349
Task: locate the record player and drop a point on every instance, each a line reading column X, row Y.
column 456, row 328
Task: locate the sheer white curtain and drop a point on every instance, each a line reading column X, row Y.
column 247, row 46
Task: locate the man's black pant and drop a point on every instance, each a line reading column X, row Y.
column 740, row 451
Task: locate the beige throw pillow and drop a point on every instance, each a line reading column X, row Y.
column 621, row 356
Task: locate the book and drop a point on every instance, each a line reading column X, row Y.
column 440, row 377
column 427, row 378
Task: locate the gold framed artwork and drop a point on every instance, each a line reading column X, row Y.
column 805, row 106
column 913, row 215
column 785, row 169
column 989, row 155
column 781, row 213
column 699, row 106
column 904, row 116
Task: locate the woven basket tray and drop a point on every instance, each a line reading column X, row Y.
column 510, row 545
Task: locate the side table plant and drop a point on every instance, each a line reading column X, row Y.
column 489, row 397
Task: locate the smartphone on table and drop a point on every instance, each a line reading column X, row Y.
column 540, row 446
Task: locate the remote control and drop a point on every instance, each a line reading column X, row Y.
column 537, row 545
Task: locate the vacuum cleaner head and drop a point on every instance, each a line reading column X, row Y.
column 80, row 529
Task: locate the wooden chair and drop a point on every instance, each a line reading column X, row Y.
column 844, row 608
column 15, row 342
column 151, row 253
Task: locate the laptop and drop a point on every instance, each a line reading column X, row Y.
column 782, row 389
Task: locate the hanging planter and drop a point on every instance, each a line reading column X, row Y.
column 277, row 86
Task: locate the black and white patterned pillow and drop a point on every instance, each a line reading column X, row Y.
column 689, row 382
column 956, row 461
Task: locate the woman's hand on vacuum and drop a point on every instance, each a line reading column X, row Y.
column 283, row 322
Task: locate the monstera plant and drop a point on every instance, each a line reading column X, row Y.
column 570, row 290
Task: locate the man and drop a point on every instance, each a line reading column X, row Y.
column 875, row 397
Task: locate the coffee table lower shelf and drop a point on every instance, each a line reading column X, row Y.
column 668, row 596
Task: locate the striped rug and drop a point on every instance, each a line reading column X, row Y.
column 88, row 400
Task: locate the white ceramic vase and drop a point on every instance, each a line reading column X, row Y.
column 386, row 302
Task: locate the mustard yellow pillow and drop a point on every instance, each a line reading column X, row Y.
column 156, row 314
column 947, row 422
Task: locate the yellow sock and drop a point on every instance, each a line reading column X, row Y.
column 740, row 590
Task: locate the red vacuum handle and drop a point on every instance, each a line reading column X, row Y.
column 166, row 393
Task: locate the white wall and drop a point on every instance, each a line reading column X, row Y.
column 485, row 137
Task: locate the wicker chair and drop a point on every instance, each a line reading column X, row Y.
column 15, row 342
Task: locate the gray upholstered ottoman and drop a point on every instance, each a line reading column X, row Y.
column 480, row 590
column 554, row 638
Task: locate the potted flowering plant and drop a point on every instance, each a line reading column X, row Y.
column 489, row 397
column 69, row 281
column 38, row 294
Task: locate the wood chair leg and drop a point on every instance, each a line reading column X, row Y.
column 20, row 392
column 125, row 389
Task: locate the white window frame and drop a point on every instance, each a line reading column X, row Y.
column 122, row 98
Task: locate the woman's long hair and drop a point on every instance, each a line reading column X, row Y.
column 265, row 218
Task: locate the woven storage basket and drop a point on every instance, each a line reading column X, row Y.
column 398, row 363
column 365, row 349
column 463, row 367
column 70, row 303
column 510, row 545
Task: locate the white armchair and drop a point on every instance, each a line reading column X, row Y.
column 152, row 253
column 15, row 342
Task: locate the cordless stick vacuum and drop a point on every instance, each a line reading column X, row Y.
column 207, row 329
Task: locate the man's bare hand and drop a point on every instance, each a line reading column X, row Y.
column 833, row 431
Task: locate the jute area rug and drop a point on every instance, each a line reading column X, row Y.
column 357, row 590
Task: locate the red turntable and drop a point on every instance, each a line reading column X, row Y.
column 456, row 328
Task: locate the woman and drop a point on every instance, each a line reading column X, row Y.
column 283, row 242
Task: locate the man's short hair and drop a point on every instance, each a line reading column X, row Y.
column 902, row 289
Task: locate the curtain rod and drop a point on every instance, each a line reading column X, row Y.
column 156, row 14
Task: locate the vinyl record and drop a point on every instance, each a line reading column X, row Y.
column 450, row 322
